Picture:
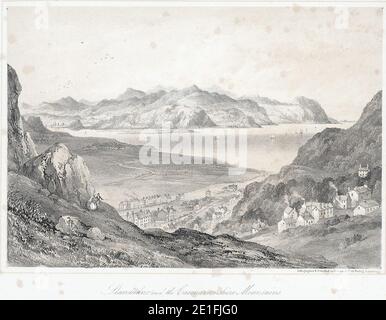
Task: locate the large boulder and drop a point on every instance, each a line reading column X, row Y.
column 61, row 173
column 71, row 226
column 95, row 234
column 20, row 145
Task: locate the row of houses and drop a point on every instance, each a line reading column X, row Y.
column 353, row 197
column 148, row 201
column 310, row 213
column 358, row 199
column 219, row 213
column 145, row 218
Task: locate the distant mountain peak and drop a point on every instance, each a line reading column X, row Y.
column 304, row 100
column 341, row 150
column 67, row 101
column 194, row 87
column 131, row 93
column 266, row 100
column 191, row 89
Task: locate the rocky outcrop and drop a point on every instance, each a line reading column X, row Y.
column 70, row 226
column 313, row 111
column 20, row 145
column 338, row 150
column 95, row 234
column 302, row 110
column 62, row 173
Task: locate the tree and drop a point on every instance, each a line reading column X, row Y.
column 377, row 191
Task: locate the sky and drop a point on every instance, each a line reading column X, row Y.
column 331, row 55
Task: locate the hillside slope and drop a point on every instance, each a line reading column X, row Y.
column 34, row 240
column 352, row 242
column 327, row 164
column 333, row 154
column 343, row 150
column 48, row 223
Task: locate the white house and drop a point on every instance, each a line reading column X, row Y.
column 365, row 207
column 363, row 172
column 305, row 220
column 364, row 192
column 357, row 195
column 320, row 210
column 290, row 213
column 286, row 223
column 290, row 216
column 142, row 218
column 340, row 201
column 258, row 225
column 310, row 213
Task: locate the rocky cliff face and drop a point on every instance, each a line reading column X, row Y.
column 56, row 169
column 62, row 173
column 331, row 155
column 343, row 150
column 20, row 145
column 313, row 111
column 302, row 110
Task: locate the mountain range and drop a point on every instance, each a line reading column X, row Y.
column 190, row 107
column 49, row 222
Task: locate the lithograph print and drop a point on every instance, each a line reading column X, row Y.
column 194, row 137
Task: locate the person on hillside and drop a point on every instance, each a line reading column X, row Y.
column 98, row 197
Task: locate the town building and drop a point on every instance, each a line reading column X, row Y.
column 172, row 213
column 286, row 223
column 305, row 220
column 290, row 213
column 363, row 172
column 160, row 216
column 142, row 218
column 289, row 220
column 309, row 213
column 129, row 216
column 257, row 226
column 365, row 207
column 220, row 212
column 340, row 202
column 357, row 195
column 320, row 210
